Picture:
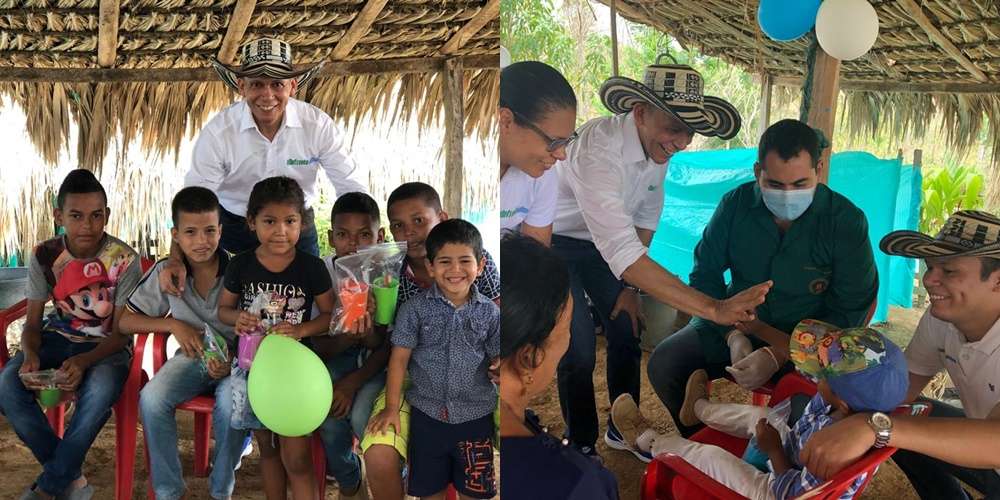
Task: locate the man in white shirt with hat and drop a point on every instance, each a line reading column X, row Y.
column 960, row 334
column 268, row 133
column 610, row 199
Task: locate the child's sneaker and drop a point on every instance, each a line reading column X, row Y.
column 625, row 426
column 247, row 450
column 697, row 388
column 362, row 493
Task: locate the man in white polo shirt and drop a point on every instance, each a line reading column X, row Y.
column 610, row 198
column 959, row 333
column 267, row 134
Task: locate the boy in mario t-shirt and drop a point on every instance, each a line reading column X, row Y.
column 79, row 337
column 84, row 295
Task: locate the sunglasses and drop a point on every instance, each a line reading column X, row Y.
column 552, row 144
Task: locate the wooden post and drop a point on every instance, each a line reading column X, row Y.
column 454, row 119
column 764, row 113
column 614, row 38
column 918, row 161
column 107, row 33
column 823, row 107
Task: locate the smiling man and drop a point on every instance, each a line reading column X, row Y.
column 786, row 227
column 956, row 448
column 268, row 133
column 610, row 198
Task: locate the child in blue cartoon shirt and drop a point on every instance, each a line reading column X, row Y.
column 858, row 370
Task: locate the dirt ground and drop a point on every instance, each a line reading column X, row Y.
column 889, row 483
column 19, row 467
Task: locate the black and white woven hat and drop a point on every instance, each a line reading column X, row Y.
column 966, row 233
column 678, row 90
column 264, row 58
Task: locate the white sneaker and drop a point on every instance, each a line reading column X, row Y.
column 247, row 450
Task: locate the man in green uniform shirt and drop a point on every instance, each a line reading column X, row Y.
column 787, row 227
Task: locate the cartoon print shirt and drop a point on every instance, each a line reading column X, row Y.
column 295, row 287
column 84, row 292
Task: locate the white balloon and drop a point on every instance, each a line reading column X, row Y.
column 504, row 57
column 846, row 29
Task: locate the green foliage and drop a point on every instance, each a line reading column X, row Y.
column 530, row 31
column 947, row 191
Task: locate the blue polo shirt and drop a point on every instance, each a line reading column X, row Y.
column 451, row 352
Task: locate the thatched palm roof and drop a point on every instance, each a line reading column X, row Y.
column 141, row 67
column 138, row 70
column 932, row 57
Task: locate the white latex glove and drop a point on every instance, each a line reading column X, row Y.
column 739, row 346
column 754, row 370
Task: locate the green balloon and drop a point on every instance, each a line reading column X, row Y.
column 289, row 387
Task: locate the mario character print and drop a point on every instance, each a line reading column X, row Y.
column 85, row 296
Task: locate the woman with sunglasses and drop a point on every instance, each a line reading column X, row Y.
column 537, row 118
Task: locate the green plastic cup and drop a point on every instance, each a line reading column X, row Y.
column 49, row 397
column 385, row 300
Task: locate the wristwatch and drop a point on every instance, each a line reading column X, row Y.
column 882, row 425
column 630, row 287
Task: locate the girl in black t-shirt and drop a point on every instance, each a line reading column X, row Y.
column 291, row 280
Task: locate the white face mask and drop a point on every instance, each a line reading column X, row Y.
column 787, row 205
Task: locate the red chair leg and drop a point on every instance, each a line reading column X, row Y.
column 126, row 417
column 319, row 465
column 57, row 419
column 202, row 431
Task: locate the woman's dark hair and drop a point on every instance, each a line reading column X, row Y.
column 276, row 190
column 534, row 285
column 531, row 89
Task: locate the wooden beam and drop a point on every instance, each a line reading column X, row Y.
column 238, row 23
column 764, row 111
column 614, row 38
column 917, row 13
column 334, row 68
column 454, row 126
column 823, row 108
column 489, row 12
column 916, row 87
column 359, row 28
column 107, row 33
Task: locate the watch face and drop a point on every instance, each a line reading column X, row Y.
column 881, row 421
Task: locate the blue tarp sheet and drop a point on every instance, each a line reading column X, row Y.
column 887, row 191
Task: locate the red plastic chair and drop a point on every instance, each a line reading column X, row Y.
column 670, row 476
column 202, row 406
column 126, row 409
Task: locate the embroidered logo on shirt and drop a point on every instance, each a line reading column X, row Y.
column 651, row 188
column 510, row 213
column 992, row 389
column 818, row 286
column 294, row 162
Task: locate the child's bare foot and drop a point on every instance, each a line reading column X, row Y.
column 697, row 389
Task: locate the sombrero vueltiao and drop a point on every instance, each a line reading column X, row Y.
column 676, row 89
column 967, row 233
column 264, row 58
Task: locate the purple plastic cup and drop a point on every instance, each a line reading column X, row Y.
column 247, row 349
